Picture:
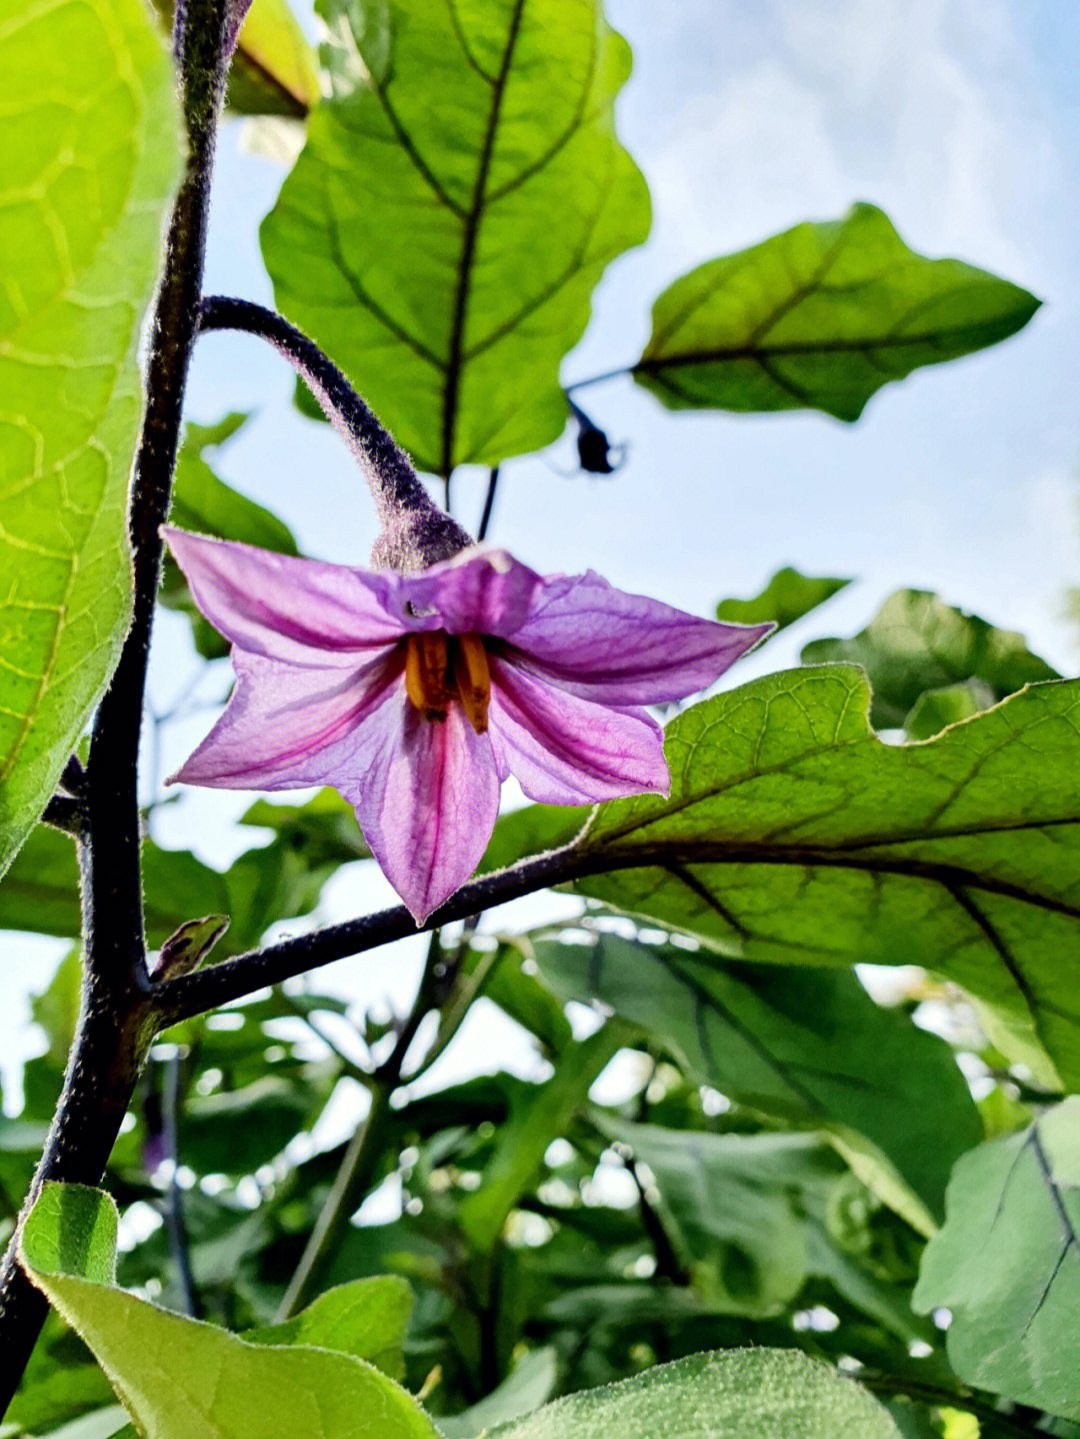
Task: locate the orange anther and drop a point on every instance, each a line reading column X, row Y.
column 473, row 679
column 427, row 662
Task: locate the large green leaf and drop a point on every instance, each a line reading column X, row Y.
column 1007, row 1264
column 91, row 154
column 787, row 597
column 794, row 835
column 809, row 1045
column 458, row 198
column 178, row 1377
column 729, row 1206
column 737, row 1394
column 917, row 643
column 819, row 317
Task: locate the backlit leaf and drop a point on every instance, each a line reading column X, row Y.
column 90, row 139
column 820, row 318
column 459, row 196
column 794, row 835
column 69, row 1249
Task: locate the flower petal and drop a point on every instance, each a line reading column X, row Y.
column 286, row 608
column 286, row 726
column 479, row 592
column 566, row 750
column 427, row 803
column 616, row 648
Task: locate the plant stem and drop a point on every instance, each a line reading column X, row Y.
column 394, row 484
column 489, row 504
column 361, row 1158
column 992, row 1421
column 174, row 1214
column 116, row 1021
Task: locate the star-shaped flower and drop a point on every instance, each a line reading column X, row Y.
column 416, row 695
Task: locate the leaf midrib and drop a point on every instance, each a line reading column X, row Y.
column 470, row 235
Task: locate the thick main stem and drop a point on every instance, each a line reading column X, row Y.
column 116, row 1022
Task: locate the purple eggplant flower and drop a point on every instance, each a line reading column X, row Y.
column 416, row 695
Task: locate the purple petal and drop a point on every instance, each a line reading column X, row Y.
column 286, row 608
column 616, row 648
column 479, row 592
column 286, row 727
column 428, row 802
column 566, row 750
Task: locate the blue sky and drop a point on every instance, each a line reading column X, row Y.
column 961, row 118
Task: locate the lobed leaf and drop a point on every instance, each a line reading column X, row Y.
column 819, row 317
column 917, row 643
column 787, row 597
column 794, row 835
column 160, row 1363
column 1007, row 1264
column 807, row 1045
column 459, row 196
column 91, row 155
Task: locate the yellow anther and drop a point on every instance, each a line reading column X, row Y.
column 473, row 679
column 427, row 663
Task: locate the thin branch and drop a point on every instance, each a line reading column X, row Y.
column 174, row 1212
column 601, row 379
column 992, row 1421
column 489, row 505
column 192, row 994
column 361, row 1158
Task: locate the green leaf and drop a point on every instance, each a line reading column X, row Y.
column 786, row 598
column 916, row 642
column 528, row 1385
column 728, row 1206
column 737, row 1394
column 794, row 835
column 367, row 1319
column 187, row 947
column 531, row 830
column 237, row 1130
column 274, row 70
column 1007, row 1264
column 819, row 318
column 542, row 1115
column 40, row 893
column 91, row 149
column 68, row 1248
column 936, row 709
column 808, row 1045
column 459, row 196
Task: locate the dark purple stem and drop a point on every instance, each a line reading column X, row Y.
column 116, row 1022
column 415, row 532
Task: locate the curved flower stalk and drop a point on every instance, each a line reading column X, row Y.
column 416, row 695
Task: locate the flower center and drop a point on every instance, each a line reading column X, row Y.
column 440, row 668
